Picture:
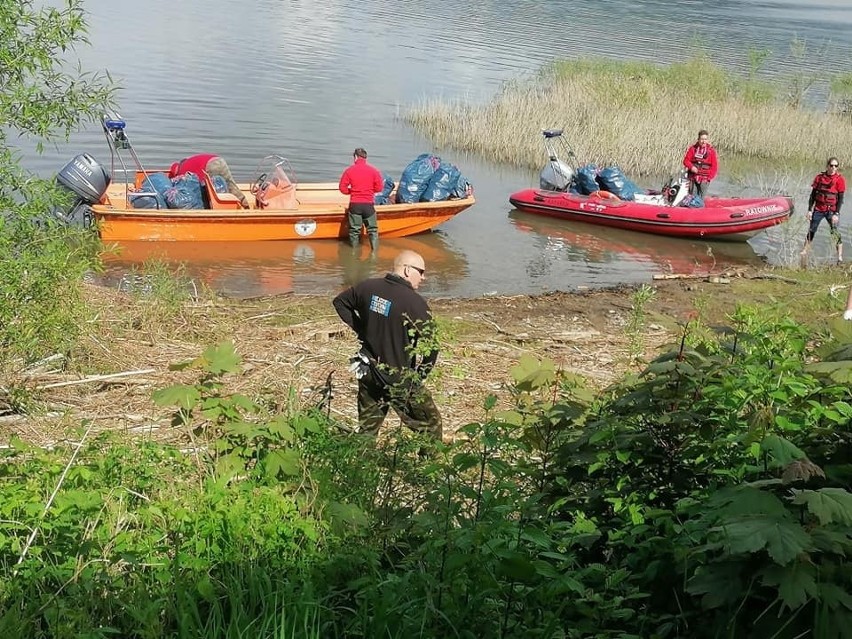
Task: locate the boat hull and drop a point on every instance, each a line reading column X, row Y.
column 320, row 214
column 729, row 218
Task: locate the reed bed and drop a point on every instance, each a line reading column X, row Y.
column 637, row 115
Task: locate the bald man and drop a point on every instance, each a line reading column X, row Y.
column 394, row 325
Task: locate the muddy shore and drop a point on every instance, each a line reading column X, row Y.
column 290, row 345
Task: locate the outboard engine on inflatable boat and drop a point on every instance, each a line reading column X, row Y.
column 676, row 189
column 557, row 174
column 86, row 182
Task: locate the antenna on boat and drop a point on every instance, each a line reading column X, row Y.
column 114, row 131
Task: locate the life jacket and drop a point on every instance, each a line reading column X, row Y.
column 700, row 158
column 825, row 186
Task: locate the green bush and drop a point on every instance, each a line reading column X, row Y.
column 41, row 262
column 707, row 496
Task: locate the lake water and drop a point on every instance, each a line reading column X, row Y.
column 312, row 81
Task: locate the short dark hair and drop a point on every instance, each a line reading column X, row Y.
column 703, row 132
column 361, row 153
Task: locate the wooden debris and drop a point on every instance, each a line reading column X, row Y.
column 98, row 378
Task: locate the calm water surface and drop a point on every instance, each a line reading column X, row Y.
column 311, row 81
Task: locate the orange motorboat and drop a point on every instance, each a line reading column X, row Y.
column 281, row 208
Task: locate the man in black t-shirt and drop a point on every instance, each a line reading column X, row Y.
column 394, row 325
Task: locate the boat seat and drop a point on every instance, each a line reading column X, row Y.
column 277, row 193
column 219, row 201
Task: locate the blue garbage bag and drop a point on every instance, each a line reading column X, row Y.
column 185, row 193
column 612, row 179
column 585, row 179
column 461, row 188
column 442, row 183
column 415, row 177
column 152, row 192
column 693, row 201
column 219, row 184
column 384, row 196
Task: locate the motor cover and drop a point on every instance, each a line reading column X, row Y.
column 555, row 176
column 85, row 178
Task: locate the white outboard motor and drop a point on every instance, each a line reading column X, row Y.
column 675, row 190
column 86, row 182
column 555, row 176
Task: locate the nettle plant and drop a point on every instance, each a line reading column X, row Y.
column 719, row 479
column 235, row 434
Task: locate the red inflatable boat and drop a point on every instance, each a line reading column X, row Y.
column 659, row 212
column 718, row 217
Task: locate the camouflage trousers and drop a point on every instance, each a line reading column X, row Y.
column 409, row 398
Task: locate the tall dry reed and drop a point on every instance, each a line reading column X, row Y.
column 637, row 115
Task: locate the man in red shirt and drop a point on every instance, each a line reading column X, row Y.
column 701, row 164
column 361, row 182
column 827, row 192
column 213, row 165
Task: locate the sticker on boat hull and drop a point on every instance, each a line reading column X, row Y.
column 303, row 253
column 304, row 228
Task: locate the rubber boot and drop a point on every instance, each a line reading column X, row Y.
column 803, row 256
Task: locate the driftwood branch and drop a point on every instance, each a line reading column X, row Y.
column 713, row 279
column 35, row 530
column 771, row 276
column 680, row 276
column 99, row 378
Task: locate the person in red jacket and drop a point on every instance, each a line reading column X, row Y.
column 701, row 164
column 826, row 199
column 361, row 182
column 213, row 165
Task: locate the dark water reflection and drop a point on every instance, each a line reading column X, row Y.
column 312, row 81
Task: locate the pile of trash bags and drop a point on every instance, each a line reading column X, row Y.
column 426, row 179
column 158, row 191
column 591, row 178
column 384, row 196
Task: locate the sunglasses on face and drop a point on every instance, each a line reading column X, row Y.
column 422, row 271
column 834, row 166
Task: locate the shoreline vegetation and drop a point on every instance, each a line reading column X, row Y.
column 205, row 483
column 641, row 115
column 656, row 462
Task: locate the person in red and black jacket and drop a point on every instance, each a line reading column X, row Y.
column 361, row 182
column 825, row 202
column 701, row 163
column 211, row 164
column 398, row 346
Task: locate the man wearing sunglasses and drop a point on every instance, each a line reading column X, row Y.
column 825, row 202
column 398, row 346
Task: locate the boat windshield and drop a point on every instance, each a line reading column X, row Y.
column 276, row 170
